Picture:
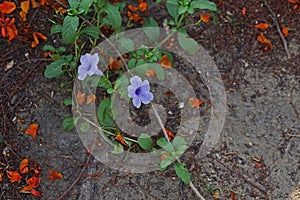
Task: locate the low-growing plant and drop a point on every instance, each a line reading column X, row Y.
column 81, row 27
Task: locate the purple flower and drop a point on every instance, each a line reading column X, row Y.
column 88, row 66
column 139, row 91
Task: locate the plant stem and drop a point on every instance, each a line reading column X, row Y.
column 197, row 193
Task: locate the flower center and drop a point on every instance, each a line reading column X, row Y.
column 138, row 91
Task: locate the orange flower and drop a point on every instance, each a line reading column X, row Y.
column 142, row 6
column 262, row 26
column 54, row 175
column 7, row 7
column 120, row 139
column 132, row 8
column 165, row 62
column 36, row 36
column 205, row 17
column 285, row 31
column 264, row 41
column 25, row 8
column 14, row 176
column 135, row 17
column 11, row 29
column 32, row 130
column 24, row 166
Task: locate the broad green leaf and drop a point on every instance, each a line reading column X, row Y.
column 61, row 49
column 113, row 16
column 188, row 44
column 121, row 83
column 172, row 7
column 141, row 68
column 182, row 172
column 74, row 3
column 166, row 162
column 104, row 82
column 167, row 146
column 91, row 31
column 105, row 113
column 68, row 124
column 145, row 142
column 85, row 126
column 159, row 70
column 55, row 68
column 125, row 45
column 57, row 28
column 48, row 47
column 131, row 63
column 204, row 4
column 69, row 29
column 182, row 9
column 150, row 27
column 68, row 102
column 180, row 150
column 178, row 141
column 85, row 5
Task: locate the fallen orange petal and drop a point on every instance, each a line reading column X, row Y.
column 7, row 7
column 35, row 193
column 14, row 176
column 262, row 26
column 195, row 103
column 120, row 139
column 142, row 6
column 32, row 130
column 25, row 189
column 293, row 1
column 34, row 4
column 170, row 134
column 205, row 17
column 244, row 10
column 36, row 36
column 91, row 98
column 25, row 7
column 165, row 62
column 24, row 166
column 53, row 175
column 34, row 182
column 150, row 72
column 285, row 31
column 11, row 30
column 80, row 98
column 132, row 8
column 264, row 41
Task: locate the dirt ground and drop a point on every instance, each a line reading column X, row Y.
column 262, row 121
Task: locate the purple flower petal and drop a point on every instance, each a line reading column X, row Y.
column 89, row 66
column 137, row 102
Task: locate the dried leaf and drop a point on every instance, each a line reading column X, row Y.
column 34, row 4
column 262, row 26
column 285, row 31
column 205, row 17
column 114, row 64
column 142, row 6
column 14, row 176
column 293, row 1
column 80, row 98
column 91, row 98
column 244, row 10
column 195, row 103
column 35, row 193
column 36, row 36
column 11, row 30
column 170, row 134
column 264, row 41
column 33, row 182
column 7, row 7
column 54, row 175
column 25, row 7
column 25, row 189
column 120, row 139
column 24, row 166
column 32, row 130
column 150, row 72
column 165, row 62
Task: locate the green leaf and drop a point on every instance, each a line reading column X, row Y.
column 61, row 49
column 48, row 47
column 145, row 142
column 104, row 82
column 172, row 7
column 91, row 31
column 55, row 29
column 204, row 4
column 178, row 141
column 68, row 124
column 182, row 172
column 159, row 70
column 55, row 68
column 167, row 146
column 118, row 149
column 105, row 113
column 188, row 44
column 113, row 16
column 125, row 45
column 69, row 29
column 141, row 68
column 85, row 126
column 182, row 9
column 74, row 3
column 131, row 63
column 121, row 83
column 150, row 27
column 85, row 5
column 68, row 102
column 166, row 162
